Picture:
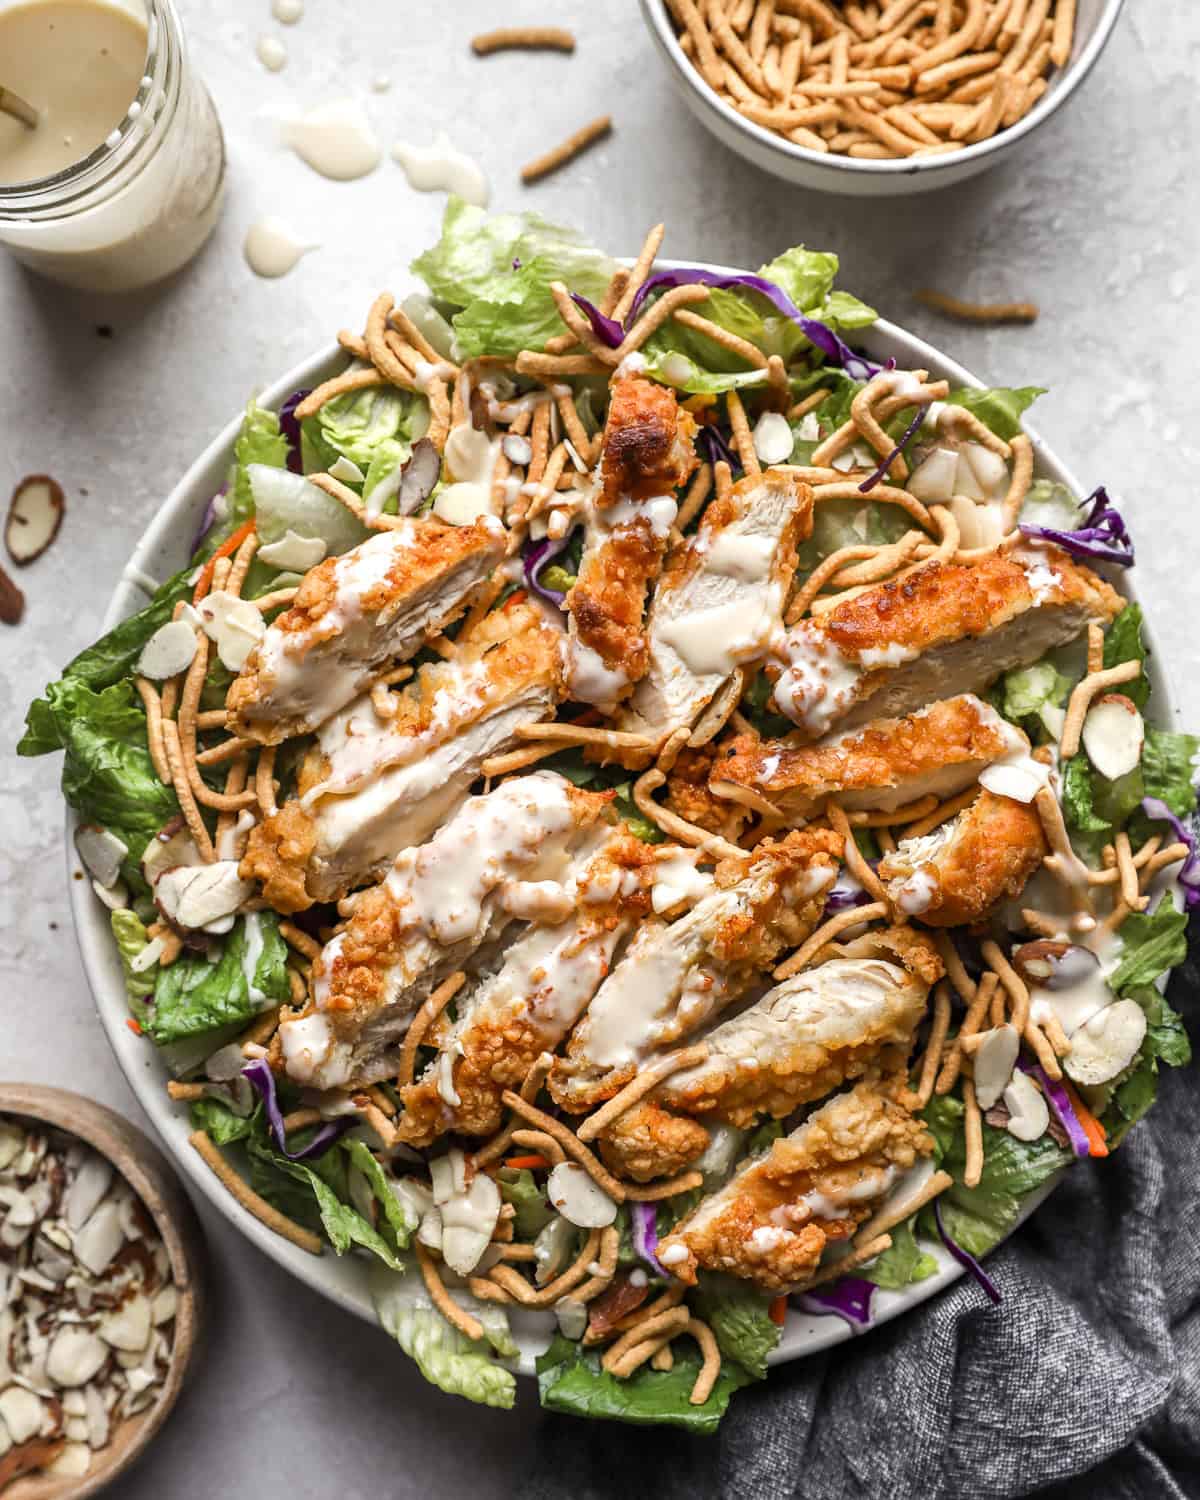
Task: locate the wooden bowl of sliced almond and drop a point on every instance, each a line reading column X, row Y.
column 102, row 1267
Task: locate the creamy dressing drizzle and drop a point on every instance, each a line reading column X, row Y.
column 336, row 140
column 442, row 167
column 272, row 248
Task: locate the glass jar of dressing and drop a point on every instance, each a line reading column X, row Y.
column 120, row 182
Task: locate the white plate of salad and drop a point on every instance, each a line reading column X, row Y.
column 643, row 818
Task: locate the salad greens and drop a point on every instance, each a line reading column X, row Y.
column 488, row 281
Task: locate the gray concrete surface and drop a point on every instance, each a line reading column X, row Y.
column 1097, row 221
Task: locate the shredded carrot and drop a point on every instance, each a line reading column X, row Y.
column 518, row 598
column 230, row 544
column 134, row 1026
column 1092, row 1128
column 533, row 1162
column 777, row 1311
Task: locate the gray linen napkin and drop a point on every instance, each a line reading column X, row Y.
column 1084, row 1382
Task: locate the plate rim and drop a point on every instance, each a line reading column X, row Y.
column 343, row 1279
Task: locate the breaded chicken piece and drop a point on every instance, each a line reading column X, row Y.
column 372, row 786
column 689, row 794
column 673, row 978
column 377, row 603
column 771, row 1223
column 719, row 602
column 943, row 630
column 647, row 449
column 889, row 763
column 799, row 1042
column 506, row 856
column 957, row 874
column 646, row 454
column 530, row 1003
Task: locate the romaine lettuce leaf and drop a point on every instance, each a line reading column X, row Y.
column 737, row 1314
column 398, row 1213
column 533, row 1212
column 1151, row 943
column 446, row 1357
column 112, row 658
column 1169, row 769
column 978, row 1218
column 193, row 995
column 314, row 1192
column 107, row 776
column 373, row 428
column 1000, row 409
column 1029, row 691
column 223, row 1125
column 259, row 442
column 1079, row 797
column 1124, row 643
column 902, row 1264
column 130, row 935
column 571, row 1380
column 496, row 271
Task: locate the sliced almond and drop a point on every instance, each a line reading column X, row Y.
column 21, row 1412
column 168, row 652
column 100, row 1238
column 773, row 438
column 1113, row 734
column 1104, row 1047
column 127, row 1327
column 102, row 852
column 994, row 1063
column 35, row 513
column 578, row 1198
column 75, row 1355
column 468, row 1222
column 1028, row 1116
column 12, row 600
column 86, row 1189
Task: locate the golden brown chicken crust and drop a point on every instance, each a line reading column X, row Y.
column 648, row 441
column 883, row 755
column 760, row 1228
column 608, row 599
column 941, row 603
column 519, row 650
column 499, row 1050
column 374, row 940
column 782, row 904
column 651, row 1141
column 433, row 551
column 689, row 796
column 994, row 848
column 277, row 855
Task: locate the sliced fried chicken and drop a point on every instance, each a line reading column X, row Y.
column 507, row 856
column 646, row 455
column 799, row 1042
column 943, row 630
column 957, row 874
column 720, row 599
column 772, row 1222
column 371, row 786
column 889, row 763
column 675, row 977
column 530, row 1003
column 353, row 614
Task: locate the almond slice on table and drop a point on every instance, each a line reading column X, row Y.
column 35, row 513
column 12, row 600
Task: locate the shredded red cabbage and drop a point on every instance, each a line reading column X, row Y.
column 643, row 1223
column 206, row 520
column 606, row 329
column 263, row 1080
column 841, row 899
column 1189, row 873
column 290, row 428
column 885, row 464
column 849, row 1297
column 1103, row 537
column 716, row 448
column 819, row 334
column 964, row 1257
column 536, row 556
column 1060, row 1103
